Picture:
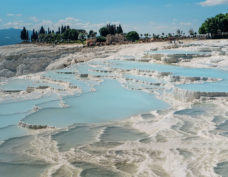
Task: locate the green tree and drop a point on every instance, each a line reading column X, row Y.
column 73, row 35
column 42, row 30
column 146, row 35
column 132, row 36
column 119, row 29
column 110, row 29
column 215, row 25
column 24, row 34
column 34, row 36
column 101, row 39
column 92, row 34
column 179, row 32
column 103, row 31
column 169, row 35
column 191, row 32
column 82, row 36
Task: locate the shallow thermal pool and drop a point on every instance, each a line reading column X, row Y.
column 219, row 86
column 109, row 102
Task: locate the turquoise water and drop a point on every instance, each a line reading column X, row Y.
column 142, row 78
column 109, row 102
column 69, row 78
column 22, row 84
column 15, row 110
column 12, row 132
column 219, row 86
column 11, row 119
column 222, row 169
column 11, row 113
column 176, row 70
column 173, row 52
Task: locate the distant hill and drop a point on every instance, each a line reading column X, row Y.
column 9, row 36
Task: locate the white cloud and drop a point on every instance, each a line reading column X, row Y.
column 72, row 22
column 34, row 19
column 185, row 23
column 213, row 2
column 168, row 27
column 0, row 20
column 16, row 24
column 34, row 23
column 14, row 15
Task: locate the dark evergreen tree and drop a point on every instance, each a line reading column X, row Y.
column 24, row 34
column 59, row 31
column 42, row 30
column 119, row 29
column 73, row 34
column 110, row 29
column 27, row 36
column 92, row 34
column 49, row 31
column 103, row 31
column 34, row 36
column 62, row 29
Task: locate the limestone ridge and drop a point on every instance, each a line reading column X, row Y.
column 24, row 59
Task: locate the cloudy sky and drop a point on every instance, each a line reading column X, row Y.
column 144, row 16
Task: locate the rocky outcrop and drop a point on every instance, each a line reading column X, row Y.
column 110, row 39
column 114, row 39
column 6, row 73
column 91, row 42
column 33, row 127
column 174, row 57
column 189, row 95
column 24, row 59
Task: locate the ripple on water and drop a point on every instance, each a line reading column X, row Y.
column 15, row 162
column 21, row 170
column 92, row 170
column 121, row 134
column 222, row 169
column 77, row 136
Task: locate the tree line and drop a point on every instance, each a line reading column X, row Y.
column 63, row 34
column 110, row 29
column 66, row 34
column 215, row 25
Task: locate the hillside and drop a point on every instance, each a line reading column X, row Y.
column 9, row 36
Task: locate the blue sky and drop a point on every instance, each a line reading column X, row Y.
column 152, row 16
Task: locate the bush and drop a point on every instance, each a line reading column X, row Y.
column 81, row 36
column 101, row 39
column 132, row 36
